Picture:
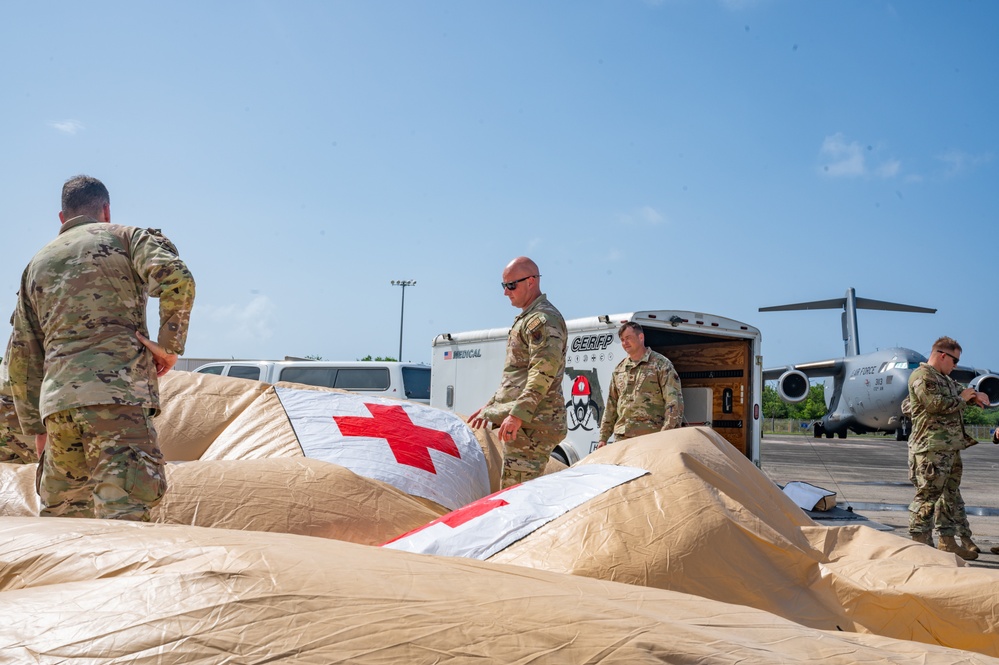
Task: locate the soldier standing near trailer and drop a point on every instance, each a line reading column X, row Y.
column 528, row 406
column 83, row 373
column 936, row 402
column 644, row 394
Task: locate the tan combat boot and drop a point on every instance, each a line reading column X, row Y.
column 926, row 537
column 968, row 544
column 947, row 544
column 994, row 550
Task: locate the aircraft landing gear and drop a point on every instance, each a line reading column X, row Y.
column 902, row 433
column 842, row 434
column 818, row 430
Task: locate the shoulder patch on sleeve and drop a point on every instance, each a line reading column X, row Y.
column 536, row 327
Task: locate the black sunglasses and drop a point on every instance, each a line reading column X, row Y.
column 512, row 286
column 950, row 355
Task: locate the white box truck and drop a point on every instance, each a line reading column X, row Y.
column 718, row 361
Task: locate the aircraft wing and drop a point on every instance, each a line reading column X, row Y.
column 811, row 370
column 966, row 374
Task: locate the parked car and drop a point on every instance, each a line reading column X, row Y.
column 389, row 379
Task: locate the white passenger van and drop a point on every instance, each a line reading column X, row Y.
column 718, row 361
column 388, row 379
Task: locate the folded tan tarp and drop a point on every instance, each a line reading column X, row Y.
column 287, row 495
column 253, row 473
column 113, row 592
column 196, row 408
column 707, row 522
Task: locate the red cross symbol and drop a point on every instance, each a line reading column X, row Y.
column 458, row 517
column 410, row 443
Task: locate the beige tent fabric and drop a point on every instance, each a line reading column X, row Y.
column 283, row 494
column 707, row 522
column 196, row 408
column 113, row 592
column 17, row 490
column 289, row 495
column 261, row 430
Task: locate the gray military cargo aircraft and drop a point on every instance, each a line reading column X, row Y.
column 868, row 388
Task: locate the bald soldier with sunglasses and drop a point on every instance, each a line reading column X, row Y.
column 528, row 406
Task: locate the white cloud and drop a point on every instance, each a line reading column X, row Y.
column 67, row 126
column 614, row 255
column 889, row 169
column 958, row 161
column 645, row 215
column 234, row 325
column 840, row 158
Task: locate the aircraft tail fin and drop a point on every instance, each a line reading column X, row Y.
column 850, row 304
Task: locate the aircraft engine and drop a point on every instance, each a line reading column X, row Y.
column 988, row 384
column 792, row 386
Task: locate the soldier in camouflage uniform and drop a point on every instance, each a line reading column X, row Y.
column 528, row 406
column 644, row 394
column 936, row 403
column 83, row 372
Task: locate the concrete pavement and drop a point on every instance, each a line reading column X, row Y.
column 870, row 474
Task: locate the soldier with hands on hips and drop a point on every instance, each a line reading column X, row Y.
column 83, row 372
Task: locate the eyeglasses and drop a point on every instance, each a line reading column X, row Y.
column 951, row 356
column 512, row 286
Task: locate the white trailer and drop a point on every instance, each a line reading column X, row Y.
column 718, row 361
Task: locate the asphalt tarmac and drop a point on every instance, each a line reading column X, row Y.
column 870, row 475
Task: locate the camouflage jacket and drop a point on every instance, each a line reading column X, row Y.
column 644, row 397
column 935, row 406
column 531, row 388
column 82, row 299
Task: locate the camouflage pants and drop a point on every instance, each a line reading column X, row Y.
column 14, row 446
column 527, row 455
column 938, row 502
column 952, row 493
column 953, row 489
column 101, row 461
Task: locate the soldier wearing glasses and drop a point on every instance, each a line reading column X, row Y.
column 936, row 403
column 528, row 406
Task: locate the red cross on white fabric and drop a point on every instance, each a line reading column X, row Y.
column 410, row 443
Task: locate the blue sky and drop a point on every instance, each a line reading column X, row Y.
column 684, row 154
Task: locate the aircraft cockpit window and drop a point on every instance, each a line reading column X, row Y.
column 906, row 365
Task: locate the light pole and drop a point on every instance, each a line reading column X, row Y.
column 403, row 283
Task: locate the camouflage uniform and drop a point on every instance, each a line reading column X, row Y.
column 935, row 465
column 15, row 447
column 531, row 390
column 644, row 397
column 78, row 371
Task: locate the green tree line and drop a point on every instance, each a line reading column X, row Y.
column 814, row 407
